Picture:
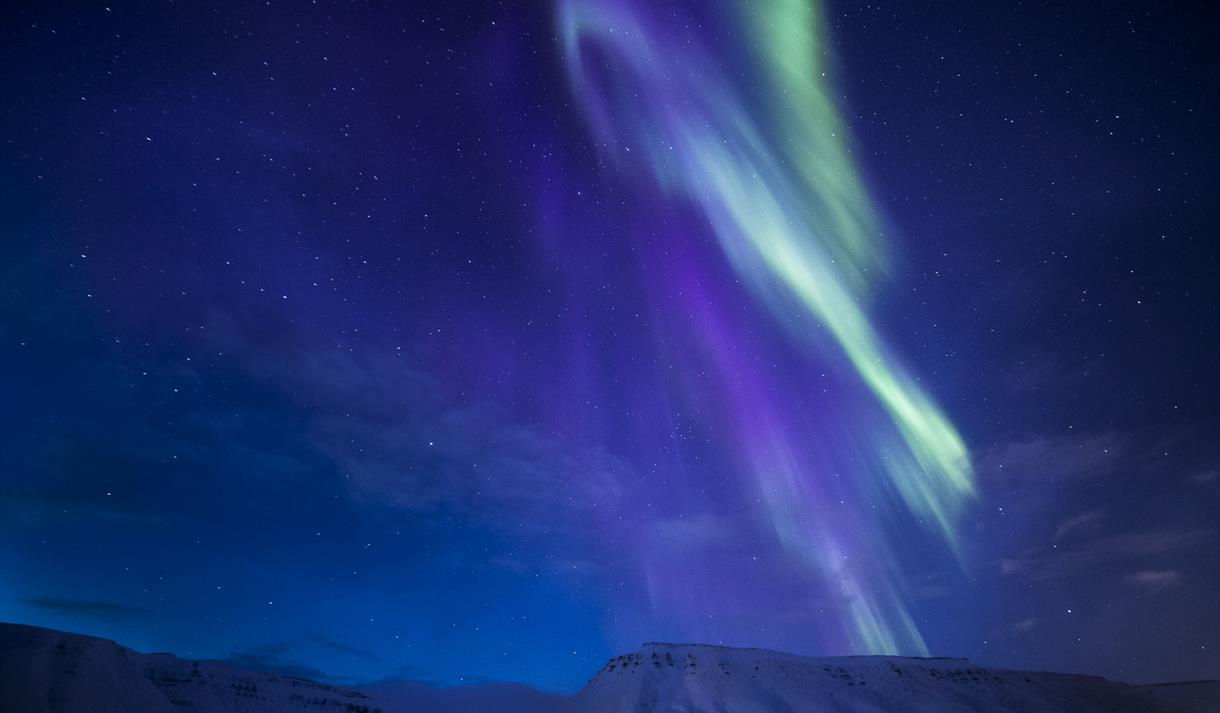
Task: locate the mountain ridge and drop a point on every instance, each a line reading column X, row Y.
column 696, row 677
column 50, row 671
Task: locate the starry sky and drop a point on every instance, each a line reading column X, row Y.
column 458, row 342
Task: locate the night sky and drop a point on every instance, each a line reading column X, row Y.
column 455, row 342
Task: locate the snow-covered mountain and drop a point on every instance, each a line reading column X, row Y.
column 711, row 679
column 42, row 670
column 1192, row 695
column 46, row 671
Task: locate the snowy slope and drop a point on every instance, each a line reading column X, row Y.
column 45, row 671
column 708, row 679
column 415, row 697
column 1202, row 696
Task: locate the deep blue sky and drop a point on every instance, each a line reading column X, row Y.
column 293, row 373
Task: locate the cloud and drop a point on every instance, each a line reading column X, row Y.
column 286, row 657
column 1085, row 522
column 1008, row 567
column 62, row 506
column 342, row 648
column 1155, row 580
column 84, row 607
column 273, row 658
column 1050, row 458
column 399, row 439
column 1090, row 556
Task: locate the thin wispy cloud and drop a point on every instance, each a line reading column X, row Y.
column 1085, row 522
column 400, row 440
column 84, row 607
column 1041, row 459
column 274, row 658
column 1087, row 558
column 1154, row 580
column 342, row 648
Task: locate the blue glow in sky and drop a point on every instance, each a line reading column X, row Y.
column 486, row 342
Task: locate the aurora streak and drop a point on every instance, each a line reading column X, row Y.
column 756, row 145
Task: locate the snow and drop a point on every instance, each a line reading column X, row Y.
column 1193, row 695
column 415, row 697
column 710, row 679
column 45, row 671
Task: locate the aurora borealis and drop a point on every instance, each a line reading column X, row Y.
column 775, row 181
column 473, row 341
